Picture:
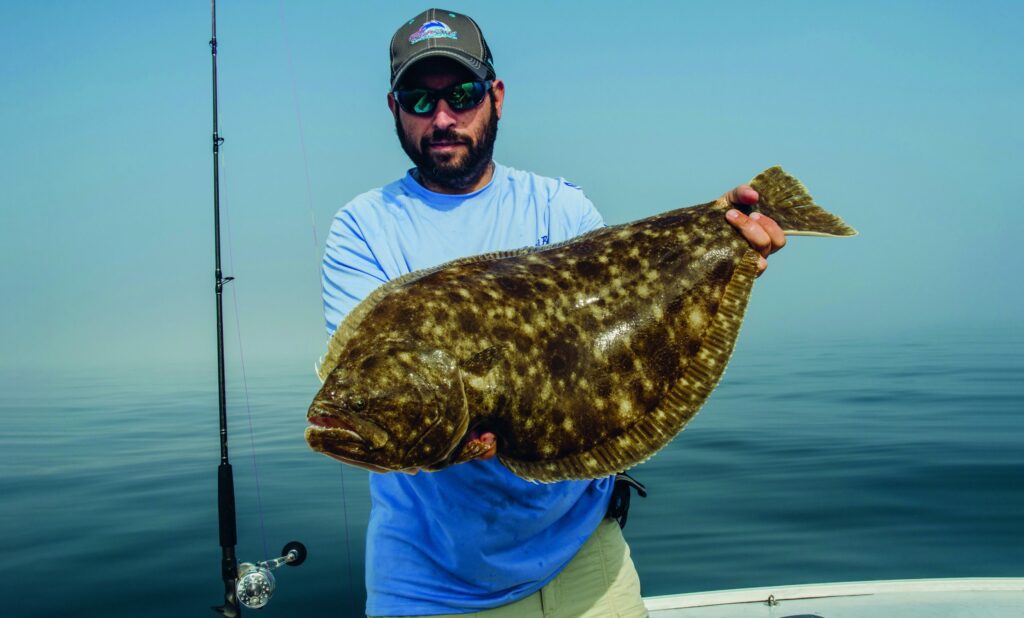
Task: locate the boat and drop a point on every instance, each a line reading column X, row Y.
column 906, row 598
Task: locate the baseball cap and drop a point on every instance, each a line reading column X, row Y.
column 437, row 32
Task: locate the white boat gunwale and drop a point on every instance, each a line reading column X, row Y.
column 772, row 594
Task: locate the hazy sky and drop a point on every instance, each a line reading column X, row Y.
column 903, row 118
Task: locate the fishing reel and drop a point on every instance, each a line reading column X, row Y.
column 255, row 581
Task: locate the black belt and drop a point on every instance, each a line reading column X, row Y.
column 618, row 506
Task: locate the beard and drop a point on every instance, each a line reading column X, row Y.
column 448, row 170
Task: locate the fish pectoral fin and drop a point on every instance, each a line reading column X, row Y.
column 482, row 362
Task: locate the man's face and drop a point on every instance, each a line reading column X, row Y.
column 451, row 149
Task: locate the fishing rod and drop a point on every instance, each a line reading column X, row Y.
column 250, row 584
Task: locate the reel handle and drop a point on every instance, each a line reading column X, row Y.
column 256, row 583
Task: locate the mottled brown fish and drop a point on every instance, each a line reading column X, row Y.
column 584, row 358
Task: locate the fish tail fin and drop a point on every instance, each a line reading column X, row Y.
column 787, row 202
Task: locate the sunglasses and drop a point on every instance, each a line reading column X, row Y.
column 460, row 97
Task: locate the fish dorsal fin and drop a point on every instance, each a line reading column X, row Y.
column 345, row 331
column 350, row 325
column 680, row 404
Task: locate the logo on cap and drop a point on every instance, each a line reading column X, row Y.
column 433, row 30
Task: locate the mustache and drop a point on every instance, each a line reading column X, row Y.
column 445, row 135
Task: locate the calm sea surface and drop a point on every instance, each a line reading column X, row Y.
column 830, row 461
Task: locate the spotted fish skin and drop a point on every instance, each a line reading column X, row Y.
column 584, row 358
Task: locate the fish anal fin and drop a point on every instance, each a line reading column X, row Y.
column 682, row 402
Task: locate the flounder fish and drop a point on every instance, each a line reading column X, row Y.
column 584, row 358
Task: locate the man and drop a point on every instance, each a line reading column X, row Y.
column 474, row 537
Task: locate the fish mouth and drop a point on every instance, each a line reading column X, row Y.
column 352, row 433
column 337, row 429
column 355, row 441
column 329, row 434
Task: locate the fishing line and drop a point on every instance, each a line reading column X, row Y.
column 241, row 358
column 302, row 142
column 320, row 284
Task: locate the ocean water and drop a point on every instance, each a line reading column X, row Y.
column 824, row 461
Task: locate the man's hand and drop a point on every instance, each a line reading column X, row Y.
column 764, row 235
column 482, row 440
column 477, row 446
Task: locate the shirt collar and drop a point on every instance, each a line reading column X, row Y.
column 413, row 186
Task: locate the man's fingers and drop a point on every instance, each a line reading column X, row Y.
column 491, row 440
column 774, row 231
column 488, row 439
column 752, row 231
column 743, row 194
column 764, row 235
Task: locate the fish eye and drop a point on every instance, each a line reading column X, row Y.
column 358, row 404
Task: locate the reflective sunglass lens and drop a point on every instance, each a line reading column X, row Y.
column 466, row 95
column 424, row 103
column 459, row 97
column 416, row 101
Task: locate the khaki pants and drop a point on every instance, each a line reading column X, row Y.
column 599, row 582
